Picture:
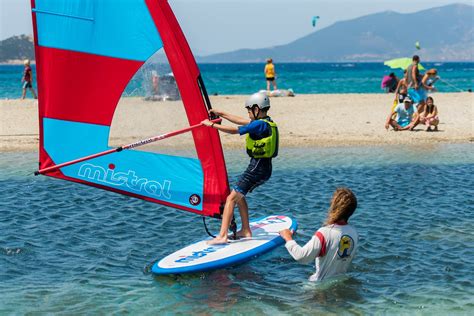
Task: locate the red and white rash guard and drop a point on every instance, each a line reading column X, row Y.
column 333, row 247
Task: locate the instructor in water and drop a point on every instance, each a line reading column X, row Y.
column 261, row 145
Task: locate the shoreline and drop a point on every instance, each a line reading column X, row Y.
column 307, row 120
column 19, row 62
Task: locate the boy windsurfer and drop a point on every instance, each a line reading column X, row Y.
column 261, row 145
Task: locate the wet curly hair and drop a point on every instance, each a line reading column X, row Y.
column 343, row 205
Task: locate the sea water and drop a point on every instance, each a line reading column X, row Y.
column 303, row 78
column 71, row 249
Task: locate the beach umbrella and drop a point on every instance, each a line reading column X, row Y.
column 402, row 63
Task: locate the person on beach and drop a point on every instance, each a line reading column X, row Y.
column 401, row 92
column 278, row 93
column 404, row 113
column 428, row 80
column 270, row 74
column 389, row 83
column 334, row 245
column 429, row 117
column 155, row 79
column 261, row 145
column 413, row 81
column 27, row 80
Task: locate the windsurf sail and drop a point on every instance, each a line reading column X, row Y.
column 95, row 47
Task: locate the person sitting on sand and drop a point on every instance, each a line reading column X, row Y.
column 278, row 93
column 27, row 80
column 270, row 74
column 404, row 116
column 429, row 117
column 261, row 145
column 334, row 245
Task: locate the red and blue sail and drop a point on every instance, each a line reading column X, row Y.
column 86, row 53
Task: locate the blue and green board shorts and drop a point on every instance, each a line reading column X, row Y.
column 258, row 172
column 417, row 95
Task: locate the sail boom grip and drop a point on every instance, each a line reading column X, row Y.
column 118, row 149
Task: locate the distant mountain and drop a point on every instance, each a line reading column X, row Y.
column 16, row 49
column 445, row 33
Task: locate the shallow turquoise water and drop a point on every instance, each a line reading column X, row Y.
column 302, row 77
column 71, row 249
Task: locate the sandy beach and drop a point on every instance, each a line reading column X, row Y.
column 305, row 120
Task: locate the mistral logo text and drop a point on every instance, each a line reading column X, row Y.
column 198, row 254
column 126, row 180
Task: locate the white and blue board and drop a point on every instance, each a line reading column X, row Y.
column 200, row 256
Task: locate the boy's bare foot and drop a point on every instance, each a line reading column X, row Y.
column 244, row 234
column 217, row 241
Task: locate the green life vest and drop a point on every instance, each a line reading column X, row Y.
column 266, row 147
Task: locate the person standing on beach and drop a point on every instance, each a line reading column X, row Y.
column 270, row 74
column 429, row 79
column 27, row 80
column 401, row 91
column 413, row 82
column 334, row 245
column 261, row 145
column 155, row 81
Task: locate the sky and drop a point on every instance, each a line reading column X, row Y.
column 214, row 26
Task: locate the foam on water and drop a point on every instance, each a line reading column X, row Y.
column 68, row 248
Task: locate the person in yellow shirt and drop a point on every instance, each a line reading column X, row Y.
column 270, row 74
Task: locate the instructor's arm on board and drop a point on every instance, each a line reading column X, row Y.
column 305, row 254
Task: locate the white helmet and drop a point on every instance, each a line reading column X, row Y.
column 258, row 99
